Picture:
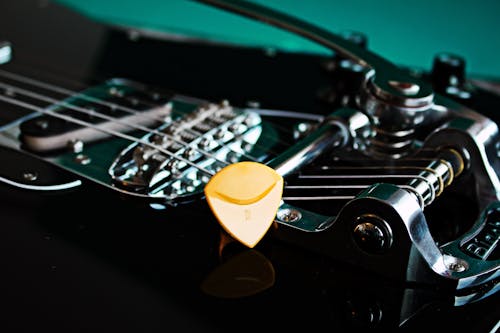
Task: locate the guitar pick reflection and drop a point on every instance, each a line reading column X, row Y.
column 246, row 274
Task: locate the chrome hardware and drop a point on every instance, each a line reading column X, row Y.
column 82, row 159
column 76, row 146
column 396, row 101
column 5, row 52
column 30, row 176
column 406, row 120
column 301, row 130
column 329, row 135
column 372, row 234
column 209, row 137
column 407, row 88
column 288, row 215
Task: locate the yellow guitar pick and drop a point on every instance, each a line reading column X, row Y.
column 244, row 198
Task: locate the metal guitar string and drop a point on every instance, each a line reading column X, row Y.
column 344, row 197
column 432, row 191
column 147, row 143
column 82, row 95
column 72, row 93
column 102, row 116
column 98, row 128
column 409, row 188
column 111, row 119
column 153, row 131
column 405, row 165
column 402, row 167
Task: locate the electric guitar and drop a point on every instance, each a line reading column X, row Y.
column 387, row 218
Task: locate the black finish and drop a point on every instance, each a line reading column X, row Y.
column 448, row 70
column 89, row 260
column 16, row 166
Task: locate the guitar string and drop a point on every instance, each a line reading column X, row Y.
column 404, row 165
column 99, row 115
column 115, row 106
column 133, row 139
column 148, row 130
column 72, row 93
column 432, row 191
column 128, row 124
column 102, row 116
column 441, row 182
column 421, row 201
column 82, row 95
column 303, row 176
column 99, row 128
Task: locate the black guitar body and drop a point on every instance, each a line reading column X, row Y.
column 87, row 258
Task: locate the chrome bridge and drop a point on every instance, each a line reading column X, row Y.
column 199, row 144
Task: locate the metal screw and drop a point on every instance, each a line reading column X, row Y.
column 114, row 91
column 372, row 234
column 351, row 66
column 454, row 264
column 289, row 215
column 456, row 267
column 301, row 130
column 189, row 153
column 220, row 134
column 82, row 159
column 30, row 176
column 5, row 52
column 76, row 146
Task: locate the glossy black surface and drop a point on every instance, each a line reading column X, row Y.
column 88, row 260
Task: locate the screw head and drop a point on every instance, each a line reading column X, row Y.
column 300, row 130
column 288, row 215
column 82, row 159
column 454, row 264
column 76, row 146
column 30, row 176
column 372, row 234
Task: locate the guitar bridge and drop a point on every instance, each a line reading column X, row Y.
column 178, row 158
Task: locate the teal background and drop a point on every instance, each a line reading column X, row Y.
column 406, row 32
